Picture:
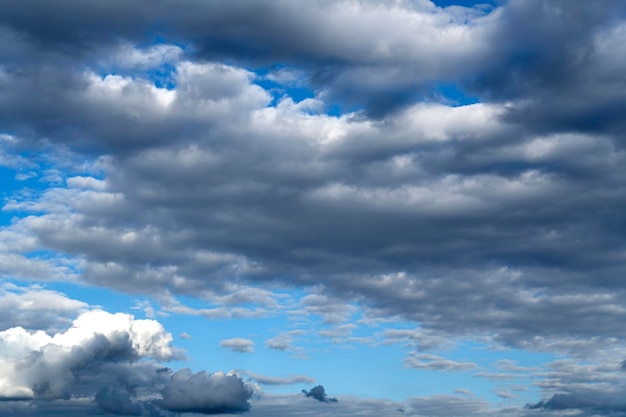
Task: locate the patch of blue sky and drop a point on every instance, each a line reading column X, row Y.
column 466, row 3
column 339, row 366
column 281, row 81
column 154, row 61
column 163, row 76
column 452, row 95
column 12, row 183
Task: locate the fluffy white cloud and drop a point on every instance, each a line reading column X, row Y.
column 38, row 365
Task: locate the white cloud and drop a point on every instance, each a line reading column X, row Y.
column 40, row 365
column 238, row 344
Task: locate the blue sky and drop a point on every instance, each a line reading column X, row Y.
column 276, row 208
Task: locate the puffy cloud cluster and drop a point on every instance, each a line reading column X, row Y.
column 108, row 363
column 37, row 365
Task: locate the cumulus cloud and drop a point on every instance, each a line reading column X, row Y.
column 204, row 393
column 319, row 393
column 38, row 365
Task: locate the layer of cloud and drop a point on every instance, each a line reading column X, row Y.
column 272, row 380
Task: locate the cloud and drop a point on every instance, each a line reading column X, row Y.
column 420, row 338
column 163, row 171
column 116, row 402
column 36, row 308
column 590, row 404
column 284, row 340
column 271, row 380
column 281, row 342
column 332, row 310
column 38, row 365
column 204, row 393
column 340, row 331
column 319, row 393
column 434, row 362
column 281, row 405
column 433, row 190
column 238, row 344
column 452, row 406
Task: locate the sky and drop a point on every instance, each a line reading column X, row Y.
column 313, row 208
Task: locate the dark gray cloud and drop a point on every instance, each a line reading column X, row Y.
column 205, row 393
column 559, row 61
column 319, row 393
column 590, row 404
column 116, row 402
column 415, row 45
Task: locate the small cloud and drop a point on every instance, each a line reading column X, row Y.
column 424, row 361
column 462, row 391
column 185, row 336
column 319, row 393
column 505, row 394
column 270, row 380
column 238, row 344
column 281, row 342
